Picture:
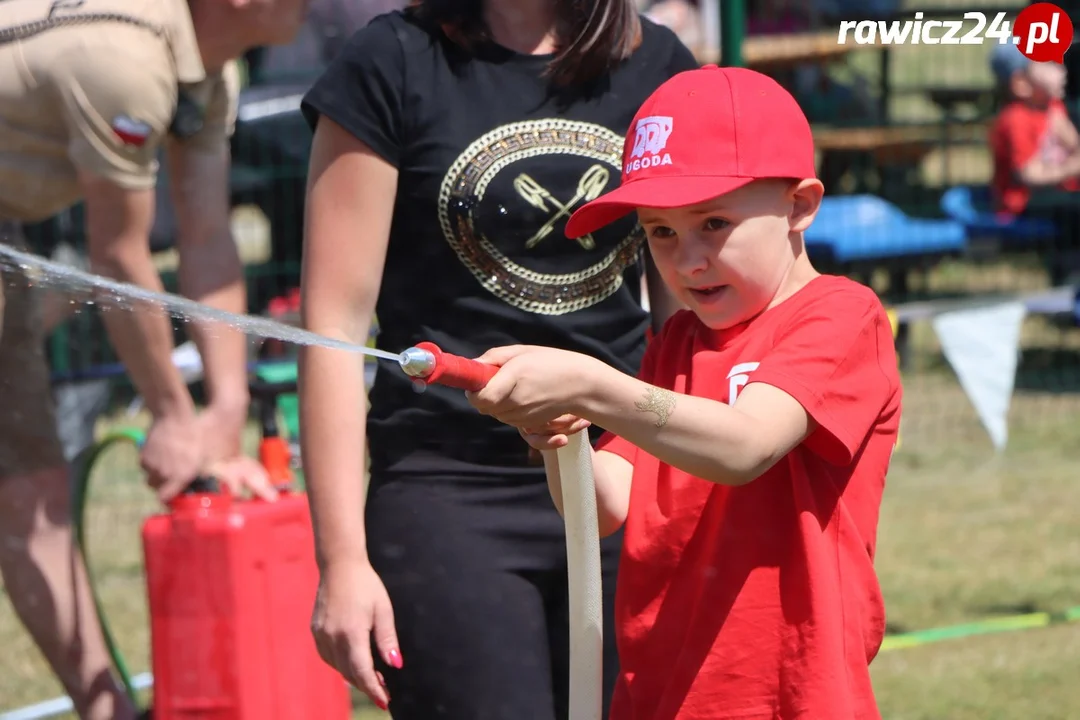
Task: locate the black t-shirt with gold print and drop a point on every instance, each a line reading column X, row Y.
column 491, row 164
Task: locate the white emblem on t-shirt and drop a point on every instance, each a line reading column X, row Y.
column 737, row 377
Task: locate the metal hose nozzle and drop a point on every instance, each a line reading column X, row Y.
column 417, row 362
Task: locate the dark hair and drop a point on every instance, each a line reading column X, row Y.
column 593, row 35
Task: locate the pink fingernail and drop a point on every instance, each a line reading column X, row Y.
column 394, row 658
column 381, row 705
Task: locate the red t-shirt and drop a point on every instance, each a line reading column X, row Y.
column 1019, row 133
column 761, row 601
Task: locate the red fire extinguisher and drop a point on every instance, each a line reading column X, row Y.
column 231, row 585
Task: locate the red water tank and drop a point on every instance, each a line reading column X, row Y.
column 231, row 587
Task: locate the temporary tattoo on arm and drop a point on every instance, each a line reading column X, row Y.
column 658, row 401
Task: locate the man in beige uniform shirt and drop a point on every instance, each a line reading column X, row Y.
column 90, row 91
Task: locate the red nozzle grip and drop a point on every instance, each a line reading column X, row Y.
column 456, row 371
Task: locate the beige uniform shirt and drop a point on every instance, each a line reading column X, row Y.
column 98, row 95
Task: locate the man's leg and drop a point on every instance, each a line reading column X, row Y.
column 42, row 572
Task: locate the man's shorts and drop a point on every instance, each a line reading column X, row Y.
column 28, row 437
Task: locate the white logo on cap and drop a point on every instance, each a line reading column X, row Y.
column 650, row 139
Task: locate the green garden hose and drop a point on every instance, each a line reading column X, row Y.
column 78, row 511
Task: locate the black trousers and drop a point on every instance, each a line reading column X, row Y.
column 476, row 572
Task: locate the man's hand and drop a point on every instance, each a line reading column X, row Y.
column 535, row 386
column 173, row 454
column 180, row 448
column 222, row 429
column 243, row 473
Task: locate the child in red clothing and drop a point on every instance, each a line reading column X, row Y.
column 1035, row 146
column 748, row 460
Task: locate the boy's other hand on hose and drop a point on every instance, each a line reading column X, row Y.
column 555, row 434
column 351, row 608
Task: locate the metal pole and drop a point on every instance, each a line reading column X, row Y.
column 732, row 30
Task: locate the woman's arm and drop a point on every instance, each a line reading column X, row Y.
column 350, row 200
column 612, row 475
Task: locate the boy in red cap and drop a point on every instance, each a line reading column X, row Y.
column 748, row 460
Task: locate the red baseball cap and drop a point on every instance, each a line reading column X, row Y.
column 701, row 134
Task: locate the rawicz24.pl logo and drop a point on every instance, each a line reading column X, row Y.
column 1042, row 31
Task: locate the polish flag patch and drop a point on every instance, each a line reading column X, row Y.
column 131, row 131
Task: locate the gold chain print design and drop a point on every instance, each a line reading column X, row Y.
column 468, row 178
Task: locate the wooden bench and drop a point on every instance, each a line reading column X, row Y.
column 892, row 148
column 768, row 53
column 894, row 141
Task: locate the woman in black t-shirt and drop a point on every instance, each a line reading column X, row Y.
column 452, row 142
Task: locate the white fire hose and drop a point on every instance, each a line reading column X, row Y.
column 585, row 584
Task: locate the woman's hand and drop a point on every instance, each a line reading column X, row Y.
column 351, row 607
